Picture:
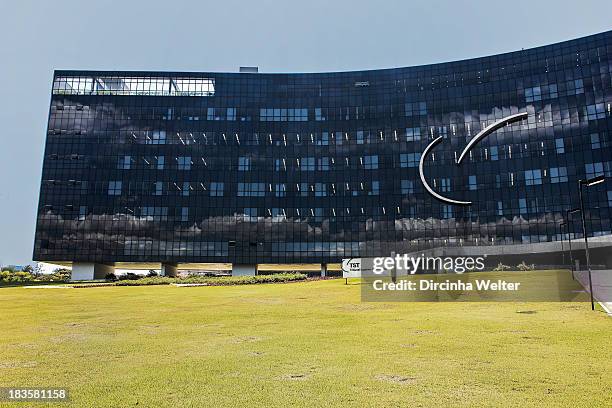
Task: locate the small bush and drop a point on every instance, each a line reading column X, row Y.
column 524, row 267
column 54, row 277
column 61, row 275
column 501, row 267
column 151, row 273
column 110, row 277
column 129, row 276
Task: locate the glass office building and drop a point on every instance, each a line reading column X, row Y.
column 251, row 168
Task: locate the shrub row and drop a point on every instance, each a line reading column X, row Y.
column 216, row 281
column 13, row 277
column 9, row 276
column 159, row 280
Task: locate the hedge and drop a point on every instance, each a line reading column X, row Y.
column 215, row 281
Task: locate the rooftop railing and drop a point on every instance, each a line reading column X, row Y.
column 124, row 85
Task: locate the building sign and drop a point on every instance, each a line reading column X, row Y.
column 351, row 268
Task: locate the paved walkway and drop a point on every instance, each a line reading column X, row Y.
column 602, row 286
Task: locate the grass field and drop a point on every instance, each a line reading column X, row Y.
column 299, row 345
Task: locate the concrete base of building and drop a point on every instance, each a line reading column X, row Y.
column 244, row 269
column 88, row 271
column 169, row 270
column 323, row 270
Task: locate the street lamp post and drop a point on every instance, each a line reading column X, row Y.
column 563, row 224
column 588, row 182
column 569, row 240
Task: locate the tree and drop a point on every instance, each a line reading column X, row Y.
column 38, row 271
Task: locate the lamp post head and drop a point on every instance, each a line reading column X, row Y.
column 593, row 181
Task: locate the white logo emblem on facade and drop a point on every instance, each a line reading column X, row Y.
column 484, row 132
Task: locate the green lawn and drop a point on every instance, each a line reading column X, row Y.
column 299, row 345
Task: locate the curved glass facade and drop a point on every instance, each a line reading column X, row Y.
column 283, row 168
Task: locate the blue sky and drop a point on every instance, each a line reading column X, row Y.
column 278, row 36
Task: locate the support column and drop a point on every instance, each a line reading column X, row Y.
column 244, row 269
column 608, row 261
column 170, row 270
column 89, row 271
column 323, row 270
